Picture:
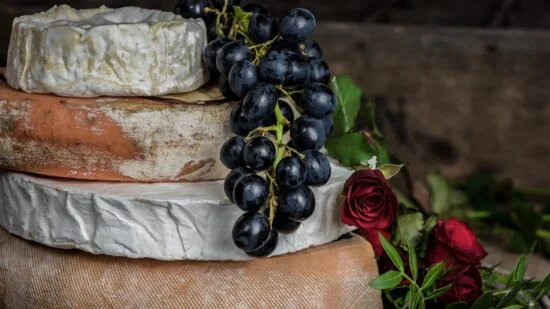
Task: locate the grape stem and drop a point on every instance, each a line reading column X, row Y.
column 280, row 153
column 288, row 95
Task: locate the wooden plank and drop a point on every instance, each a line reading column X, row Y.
column 455, row 99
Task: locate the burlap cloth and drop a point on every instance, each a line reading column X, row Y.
column 332, row 276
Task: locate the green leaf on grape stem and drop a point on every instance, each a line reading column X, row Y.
column 353, row 150
column 439, row 292
column 241, row 17
column 386, row 281
column 392, row 252
column 349, row 102
column 390, row 170
column 434, row 273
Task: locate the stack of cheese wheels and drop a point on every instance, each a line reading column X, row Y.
column 109, row 143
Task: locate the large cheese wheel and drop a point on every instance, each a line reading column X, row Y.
column 166, row 221
column 115, row 139
column 331, row 276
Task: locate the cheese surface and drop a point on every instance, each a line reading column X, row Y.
column 116, row 52
column 167, row 139
column 168, row 221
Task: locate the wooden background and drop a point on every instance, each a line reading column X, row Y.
column 461, row 85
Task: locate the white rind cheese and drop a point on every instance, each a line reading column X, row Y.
column 170, row 221
column 115, row 52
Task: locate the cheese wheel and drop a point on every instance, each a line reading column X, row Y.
column 331, row 276
column 164, row 139
column 165, row 221
column 117, row 52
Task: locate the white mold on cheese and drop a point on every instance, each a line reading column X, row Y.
column 169, row 221
column 116, row 52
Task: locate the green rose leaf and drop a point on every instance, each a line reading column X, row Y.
column 433, row 274
column 461, row 305
column 409, row 228
column 510, row 297
column 386, row 281
column 349, row 102
column 390, row 170
column 518, row 273
column 392, row 252
column 413, row 262
column 484, row 301
column 353, row 150
column 541, row 289
column 439, row 292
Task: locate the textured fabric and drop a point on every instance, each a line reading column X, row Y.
column 332, row 276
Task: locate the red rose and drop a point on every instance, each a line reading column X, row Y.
column 369, row 201
column 456, row 244
column 465, row 286
column 372, row 238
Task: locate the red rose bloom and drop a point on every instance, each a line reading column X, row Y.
column 456, row 244
column 369, row 201
column 466, row 286
column 372, row 238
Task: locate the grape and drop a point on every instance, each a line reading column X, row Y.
column 328, row 124
column 287, row 112
column 239, row 124
column 231, row 153
column 268, row 247
column 251, row 231
column 291, row 172
column 285, row 47
column 297, row 25
column 243, row 76
column 250, row 192
column 232, row 178
column 211, row 35
column 299, row 71
column 307, row 133
column 255, row 9
column 211, row 52
column 284, row 225
column 262, row 28
column 259, row 102
column 191, row 8
column 223, row 84
column 296, row 204
column 230, row 54
column 259, row 153
column 311, row 50
column 319, row 72
column 275, row 68
column 318, row 100
column 318, row 168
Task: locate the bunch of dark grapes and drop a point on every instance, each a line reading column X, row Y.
column 279, row 75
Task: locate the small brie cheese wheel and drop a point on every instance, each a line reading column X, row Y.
column 116, row 52
column 164, row 221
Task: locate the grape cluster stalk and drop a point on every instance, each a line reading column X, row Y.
column 280, row 77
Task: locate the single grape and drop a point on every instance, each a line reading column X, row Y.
column 297, row 25
column 328, row 124
column 211, row 52
column 317, row 166
column 232, row 178
column 318, row 100
column 299, row 71
column 243, row 76
column 291, row 172
column 231, row 153
column 285, row 225
column 287, row 112
column 255, row 9
column 307, row 133
column 311, row 50
column 250, row 192
column 223, row 84
column 259, row 102
column 230, row 54
column 239, row 124
column 296, row 204
column 266, row 248
column 262, row 28
column 251, row 231
column 319, row 72
column 259, row 153
column 191, row 8
column 275, row 68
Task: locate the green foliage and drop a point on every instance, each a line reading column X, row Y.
column 350, row 145
column 409, row 228
column 241, row 18
column 390, row 170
